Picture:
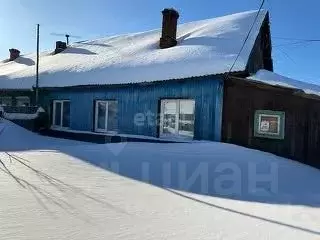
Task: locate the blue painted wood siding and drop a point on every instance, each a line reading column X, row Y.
column 144, row 99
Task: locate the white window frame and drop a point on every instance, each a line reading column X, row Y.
column 19, row 98
column 99, row 130
column 177, row 119
column 61, row 115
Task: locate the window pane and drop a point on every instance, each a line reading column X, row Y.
column 169, row 117
column 66, row 114
column 269, row 124
column 23, row 101
column 6, row 101
column 101, row 124
column 186, row 118
column 112, row 116
column 57, row 119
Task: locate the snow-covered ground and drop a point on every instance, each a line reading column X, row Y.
column 61, row 189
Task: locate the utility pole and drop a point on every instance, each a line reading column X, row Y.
column 37, row 66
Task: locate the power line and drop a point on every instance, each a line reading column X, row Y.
column 297, row 39
column 296, row 43
column 287, row 55
column 247, row 37
column 293, row 43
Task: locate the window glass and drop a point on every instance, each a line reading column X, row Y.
column 112, row 116
column 57, row 114
column 177, row 118
column 106, row 118
column 66, row 114
column 186, row 118
column 101, row 115
column 23, row 101
column 61, row 113
column 269, row 124
column 169, row 117
column 6, row 101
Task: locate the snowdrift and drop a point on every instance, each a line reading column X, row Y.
column 72, row 190
column 14, row 137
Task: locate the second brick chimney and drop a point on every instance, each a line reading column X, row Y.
column 14, row 54
column 60, row 46
column 169, row 28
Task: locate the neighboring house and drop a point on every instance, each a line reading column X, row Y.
column 14, row 93
column 275, row 114
column 165, row 83
column 15, row 98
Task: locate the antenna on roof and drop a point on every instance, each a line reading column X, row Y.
column 66, row 35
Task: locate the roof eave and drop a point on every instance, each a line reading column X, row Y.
column 221, row 76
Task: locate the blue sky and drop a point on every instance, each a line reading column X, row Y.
column 96, row 18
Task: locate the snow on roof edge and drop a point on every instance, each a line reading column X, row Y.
column 274, row 79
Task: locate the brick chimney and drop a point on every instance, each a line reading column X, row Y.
column 60, row 46
column 14, row 54
column 169, row 28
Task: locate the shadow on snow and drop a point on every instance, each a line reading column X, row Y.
column 214, row 169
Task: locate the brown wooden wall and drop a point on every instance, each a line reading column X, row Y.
column 302, row 120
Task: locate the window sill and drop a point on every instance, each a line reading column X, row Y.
column 105, row 132
column 59, row 128
column 176, row 137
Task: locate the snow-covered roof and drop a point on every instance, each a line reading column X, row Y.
column 204, row 48
column 275, row 79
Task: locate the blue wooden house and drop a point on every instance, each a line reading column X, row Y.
column 166, row 83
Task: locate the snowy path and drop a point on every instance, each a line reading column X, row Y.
column 71, row 191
